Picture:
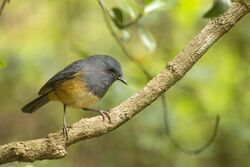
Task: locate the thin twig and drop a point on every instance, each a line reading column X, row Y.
column 173, row 140
column 163, row 97
column 54, row 147
column 138, row 63
column 3, row 5
column 134, row 21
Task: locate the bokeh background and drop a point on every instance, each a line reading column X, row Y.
column 38, row 38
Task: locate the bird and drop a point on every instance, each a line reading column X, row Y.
column 79, row 85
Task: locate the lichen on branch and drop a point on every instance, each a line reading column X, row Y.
column 54, row 145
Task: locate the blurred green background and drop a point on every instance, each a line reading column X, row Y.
column 39, row 38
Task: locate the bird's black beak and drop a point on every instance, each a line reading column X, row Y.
column 122, row 80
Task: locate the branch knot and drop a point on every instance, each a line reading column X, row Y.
column 173, row 69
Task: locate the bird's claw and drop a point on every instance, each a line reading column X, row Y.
column 103, row 114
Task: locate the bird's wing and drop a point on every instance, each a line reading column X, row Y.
column 67, row 73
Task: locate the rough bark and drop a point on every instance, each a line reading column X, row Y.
column 54, row 146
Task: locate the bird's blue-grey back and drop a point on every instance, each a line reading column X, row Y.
column 93, row 74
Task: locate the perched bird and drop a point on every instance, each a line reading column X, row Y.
column 79, row 85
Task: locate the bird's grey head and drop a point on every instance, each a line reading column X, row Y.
column 100, row 72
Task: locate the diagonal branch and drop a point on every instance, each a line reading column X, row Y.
column 54, row 145
column 149, row 77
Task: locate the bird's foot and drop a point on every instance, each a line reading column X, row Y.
column 65, row 132
column 102, row 112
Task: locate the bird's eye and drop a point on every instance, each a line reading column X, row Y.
column 111, row 71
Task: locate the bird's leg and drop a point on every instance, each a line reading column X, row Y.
column 102, row 112
column 65, row 129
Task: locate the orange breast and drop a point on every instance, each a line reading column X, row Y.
column 74, row 93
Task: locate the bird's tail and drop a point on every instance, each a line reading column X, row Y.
column 35, row 104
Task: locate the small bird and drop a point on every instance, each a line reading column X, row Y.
column 79, row 85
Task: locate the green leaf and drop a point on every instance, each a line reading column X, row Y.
column 2, row 64
column 147, row 38
column 132, row 7
column 120, row 17
column 157, row 6
column 219, row 7
column 117, row 16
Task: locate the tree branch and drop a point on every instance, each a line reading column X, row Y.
column 149, row 77
column 54, row 145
